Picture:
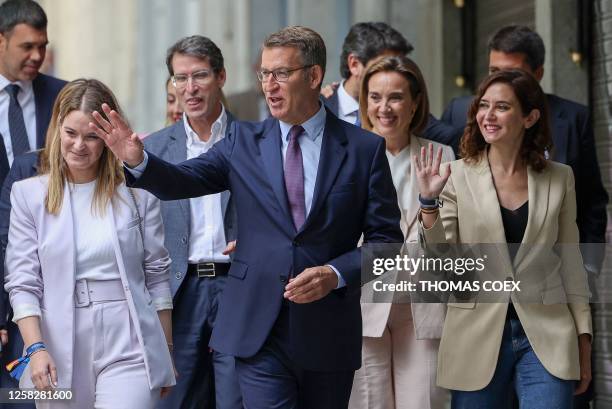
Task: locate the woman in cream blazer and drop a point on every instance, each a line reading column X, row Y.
column 86, row 270
column 401, row 339
column 538, row 342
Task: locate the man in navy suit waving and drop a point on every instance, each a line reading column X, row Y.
column 306, row 186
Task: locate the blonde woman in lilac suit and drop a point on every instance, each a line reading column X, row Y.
column 87, row 272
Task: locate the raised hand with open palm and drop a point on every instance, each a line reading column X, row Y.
column 118, row 136
column 429, row 178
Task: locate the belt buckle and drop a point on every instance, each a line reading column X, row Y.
column 81, row 294
column 206, row 270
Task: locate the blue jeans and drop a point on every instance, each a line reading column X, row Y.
column 518, row 365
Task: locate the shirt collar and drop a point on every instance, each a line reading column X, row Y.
column 312, row 127
column 346, row 103
column 217, row 130
column 25, row 86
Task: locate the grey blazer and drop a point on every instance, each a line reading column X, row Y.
column 170, row 144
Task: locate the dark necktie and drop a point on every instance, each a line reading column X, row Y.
column 19, row 136
column 294, row 177
column 358, row 121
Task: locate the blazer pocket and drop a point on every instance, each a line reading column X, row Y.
column 347, row 187
column 238, row 270
column 554, row 295
column 132, row 223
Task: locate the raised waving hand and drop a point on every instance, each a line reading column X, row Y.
column 118, row 136
column 429, row 178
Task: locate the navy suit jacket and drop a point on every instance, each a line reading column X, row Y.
column 45, row 90
column 574, row 145
column 353, row 195
column 170, row 144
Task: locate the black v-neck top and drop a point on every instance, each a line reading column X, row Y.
column 515, row 224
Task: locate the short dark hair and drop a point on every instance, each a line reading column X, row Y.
column 537, row 139
column 196, row 46
column 307, row 41
column 519, row 39
column 368, row 40
column 13, row 12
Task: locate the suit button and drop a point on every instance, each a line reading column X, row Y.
column 283, row 279
column 184, row 240
column 296, row 243
column 178, row 275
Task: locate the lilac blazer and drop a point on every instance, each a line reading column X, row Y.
column 40, row 271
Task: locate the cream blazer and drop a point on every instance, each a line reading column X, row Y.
column 427, row 318
column 40, row 271
column 473, row 331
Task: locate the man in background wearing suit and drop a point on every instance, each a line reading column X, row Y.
column 197, row 230
column 363, row 43
column 307, row 186
column 573, row 141
column 26, row 101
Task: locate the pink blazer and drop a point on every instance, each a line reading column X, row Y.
column 40, row 271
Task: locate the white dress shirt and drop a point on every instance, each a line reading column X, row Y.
column 207, row 235
column 348, row 107
column 28, row 106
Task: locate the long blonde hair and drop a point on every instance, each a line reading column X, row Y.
column 85, row 95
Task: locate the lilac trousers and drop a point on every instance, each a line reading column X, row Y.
column 109, row 369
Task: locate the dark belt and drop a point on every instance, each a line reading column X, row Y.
column 210, row 270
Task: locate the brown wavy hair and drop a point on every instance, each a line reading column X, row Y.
column 86, row 95
column 418, row 91
column 537, row 139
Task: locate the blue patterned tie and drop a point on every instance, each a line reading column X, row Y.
column 294, row 177
column 358, row 121
column 17, row 128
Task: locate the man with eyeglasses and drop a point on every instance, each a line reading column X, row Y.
column 307, row 187
column 197, row 230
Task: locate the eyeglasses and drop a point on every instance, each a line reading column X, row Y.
column 198, row 78
column 280, row 75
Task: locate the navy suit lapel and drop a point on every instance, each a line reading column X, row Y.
column 225, row 195
column 333, row 151
column 43, row 105
column 271, row 155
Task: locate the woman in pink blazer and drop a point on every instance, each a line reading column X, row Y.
column 86, row 269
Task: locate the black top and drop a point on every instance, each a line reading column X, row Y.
column 515, row 223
